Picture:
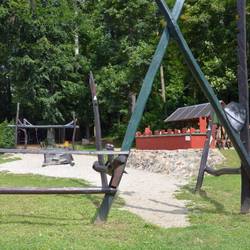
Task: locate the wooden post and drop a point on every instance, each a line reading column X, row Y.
column 204, row 157
column 25, row 138
column 17, row 121
column 243, row 99
column 74, row 131
column 98, row 136
column 63, row 135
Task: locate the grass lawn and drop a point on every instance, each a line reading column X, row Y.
column 85, row 147
column 64, row 222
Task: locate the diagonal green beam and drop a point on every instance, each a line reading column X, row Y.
column 148, row 81
column 108, row 199
column 204, row 84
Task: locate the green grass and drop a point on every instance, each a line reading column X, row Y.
column 65, row 222
column 232, row 158
column 214, row 214
column 85, row 147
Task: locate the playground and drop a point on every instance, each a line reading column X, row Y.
column 63, row 185
column 142, row 191
column 59, row 222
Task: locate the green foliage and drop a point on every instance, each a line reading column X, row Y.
column 7, row 135
column 39, row 66
column 211, row 30
column 119, row 131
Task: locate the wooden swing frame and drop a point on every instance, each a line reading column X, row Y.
column 172, row 30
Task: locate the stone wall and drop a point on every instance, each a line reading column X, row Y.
column 178, row 163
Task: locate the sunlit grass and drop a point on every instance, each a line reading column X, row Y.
column 65, row 221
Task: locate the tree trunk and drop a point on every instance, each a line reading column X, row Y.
column 76, row 44
column 76, row 35
column 9, row 101
column 87, row 131
column 32, row 6
column 133, row 101
column 163, row 91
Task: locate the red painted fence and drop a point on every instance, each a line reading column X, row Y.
column 171, row 141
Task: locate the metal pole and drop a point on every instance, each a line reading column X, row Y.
column 53, row 190
column 60, row 151
column 243, row 99
column 98, row 134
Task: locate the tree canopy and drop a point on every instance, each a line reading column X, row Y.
column 48, row 47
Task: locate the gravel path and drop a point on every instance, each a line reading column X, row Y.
column 149, row 195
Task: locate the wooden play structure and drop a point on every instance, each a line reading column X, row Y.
column 118, row 159
column 238, row 117
column 52, row 158
column 204, row 167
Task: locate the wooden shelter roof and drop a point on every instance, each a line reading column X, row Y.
column 190, row 112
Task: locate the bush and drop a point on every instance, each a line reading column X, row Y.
column 118, row 132
column 7, row 135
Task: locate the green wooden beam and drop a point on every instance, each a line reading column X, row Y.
column 204, row 84
column 107, row 202
column 148, row 82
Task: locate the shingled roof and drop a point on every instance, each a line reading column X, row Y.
column 190, row 112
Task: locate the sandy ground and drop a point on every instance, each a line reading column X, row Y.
column 149, row 195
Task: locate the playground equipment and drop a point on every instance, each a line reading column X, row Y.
column 117, row 166
column 238, row 116
column 52, row 158
column 100, row 165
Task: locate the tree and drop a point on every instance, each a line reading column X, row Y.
column 116, row 40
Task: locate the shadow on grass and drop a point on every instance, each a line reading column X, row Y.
column 33, row 220
column 29, row 222
column 219, row 208
column 43, row 217
column 96, row 200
